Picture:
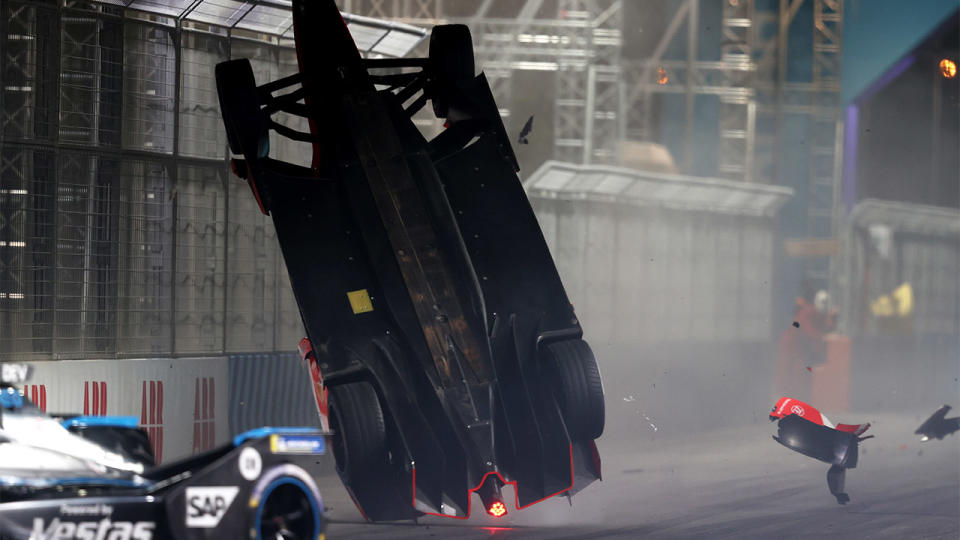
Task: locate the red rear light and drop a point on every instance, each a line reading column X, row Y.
column 497, row 509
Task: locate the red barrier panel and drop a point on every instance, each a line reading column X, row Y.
column 831, row 380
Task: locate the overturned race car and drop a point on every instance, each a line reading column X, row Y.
column 803, row 429
column 89, row 477
column 444, row 351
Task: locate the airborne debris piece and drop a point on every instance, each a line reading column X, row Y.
column 94, row 476
column 938, row 425
column 803, row 429
column 442, row 347
column 525, row 131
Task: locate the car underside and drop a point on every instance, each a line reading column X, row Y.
column 446, row 353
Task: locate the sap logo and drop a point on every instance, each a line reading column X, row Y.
column 206, row 506
column 92, row 530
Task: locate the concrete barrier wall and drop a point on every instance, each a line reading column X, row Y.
column 655, row 258
column 886, row 243
column 187, row 405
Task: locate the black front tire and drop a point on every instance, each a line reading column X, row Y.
column 245, row 123
column 577, row 387
column 451, row 64
column 359, row 438
column 288, row 514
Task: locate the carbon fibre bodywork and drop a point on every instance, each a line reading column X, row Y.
column 420, row 268
column 938, row 425
column 803, row 429
column 218, row 494
column 819, row 442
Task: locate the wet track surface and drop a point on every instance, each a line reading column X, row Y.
column 727, row 483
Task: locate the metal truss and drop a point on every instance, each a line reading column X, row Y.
column 826, row 128
column 14, row 170
column 110, row 246
column 584, row 88
column 818, row 101
column 737, row 108
column 730, row 79
column 755, row 96
column 579, row 43
column 80, row 78
column 150, row 86
column 19, row 73
column 414, row 11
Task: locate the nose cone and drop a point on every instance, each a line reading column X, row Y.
column 492, row 497
column 497, row 509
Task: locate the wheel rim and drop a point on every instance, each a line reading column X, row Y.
column 288, row 514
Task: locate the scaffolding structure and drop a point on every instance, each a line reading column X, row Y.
column 602, row 98
column 578, row 40
column 755, row 98
column 818, row 100
column 122, row 233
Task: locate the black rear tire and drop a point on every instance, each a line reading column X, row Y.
column 245, row 123
column 577, row 387
column 451, row 64
column 287, row 513
column 359, row 438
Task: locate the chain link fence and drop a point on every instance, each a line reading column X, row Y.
column 122, row 232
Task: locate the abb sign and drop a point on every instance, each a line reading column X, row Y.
column 204, row 419
column 151, row 414
column 94, row 398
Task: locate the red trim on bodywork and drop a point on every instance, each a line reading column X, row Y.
column 787, row 406
column 516, row 493
column 256, row 193
column 355, row 502
column 856, row 429
column 305, row 348
column 321, row 394
column 595, row 454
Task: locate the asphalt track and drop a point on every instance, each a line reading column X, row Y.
column 726, row 483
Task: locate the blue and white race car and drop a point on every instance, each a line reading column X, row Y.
column 94, row 478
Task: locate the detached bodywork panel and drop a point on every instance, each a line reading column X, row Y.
column 817, row 441
column 435, row 316
column 803, row 429
column 938, row 425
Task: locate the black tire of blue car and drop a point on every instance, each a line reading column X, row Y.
column 451, row 65
column 359, row 439
column 577, row 387
column 245, row 124
column 287, row 514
